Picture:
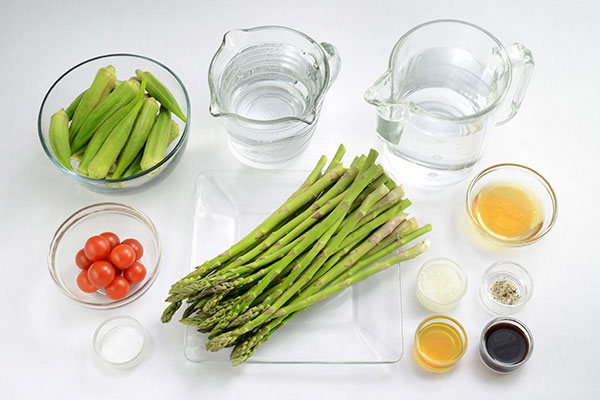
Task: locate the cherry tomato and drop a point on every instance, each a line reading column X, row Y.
column 81, row 260
column 97, row 248
column 135, row 274
column 122, row 256
column 84, row 283
column 101, row 273
column 112, row 239
column 117, row 289
column 135, row 245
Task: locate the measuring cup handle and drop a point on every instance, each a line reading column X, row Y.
column 522, row 69
column 333, row 58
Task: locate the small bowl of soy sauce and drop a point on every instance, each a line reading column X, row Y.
column 506, row 344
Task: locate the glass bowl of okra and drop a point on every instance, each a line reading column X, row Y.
column 116, row 122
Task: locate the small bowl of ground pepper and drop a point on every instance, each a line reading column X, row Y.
column 505, row 288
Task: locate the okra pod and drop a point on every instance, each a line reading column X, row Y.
column 173, row 132
column 59, row 138
column 138, row 136
column 101, row 134
column 103, row 83
column 135, row 166
column 74, row 104
column 157, row 142
column 160, row 92
column 122, row 95
column 108, row 153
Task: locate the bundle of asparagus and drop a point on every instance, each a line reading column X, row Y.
column 334, row 231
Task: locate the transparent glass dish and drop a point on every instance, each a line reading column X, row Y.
column 513, row 273
column 70, row 237
column 120, row 342
column 359, row 325
column 70, row 84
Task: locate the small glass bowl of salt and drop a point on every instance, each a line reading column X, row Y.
column 441, row 283
column 120, row 342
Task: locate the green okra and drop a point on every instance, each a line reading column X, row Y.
column 119, row 97
column 103, row 83
column 74, row 104
column 173, row 132
column 138, row 136
column 102, row 134
column 158, row 140
column 160, row 92
column 108, row 153
column 135, row 166
column 59, row 138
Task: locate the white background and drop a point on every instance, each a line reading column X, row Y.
column 45, row 339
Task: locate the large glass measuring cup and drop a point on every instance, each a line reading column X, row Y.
column 267, row 84
column 447, row 82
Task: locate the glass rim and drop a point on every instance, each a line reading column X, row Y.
column 181, row 140
column 453, row 322
column 85, row 212
column 528, row 171
column 456, row 266
column 465, row 118
column 319, row 96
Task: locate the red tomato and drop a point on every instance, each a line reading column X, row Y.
column 135, row 274
column 122, row 256
column 135, row 245
column 112, row 239
column 81, row 260
column 117, row 289
column 101, row 273
column 84, row 283
column 97, row 248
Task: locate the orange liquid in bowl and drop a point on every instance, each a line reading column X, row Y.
column 508, row 211
column 439, row 347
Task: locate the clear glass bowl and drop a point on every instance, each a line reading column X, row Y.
column 436, row 304
column 359, row 325
column 523, row 176
column 510, row 271
column 496, row 365
column 120, row 342
column 78, row 78
column 70, row 237
column 446, row 328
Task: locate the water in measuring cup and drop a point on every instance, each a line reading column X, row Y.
column 269, row 82
column 445, row 82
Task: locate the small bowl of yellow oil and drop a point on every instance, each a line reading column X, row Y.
column 512, row 204
column 440, row 343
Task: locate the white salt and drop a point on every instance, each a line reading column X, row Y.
column 121, row 344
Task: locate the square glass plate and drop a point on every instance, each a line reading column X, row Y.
column 361, row 324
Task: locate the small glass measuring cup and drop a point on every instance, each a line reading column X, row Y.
column 267, row 85
column 447, row 82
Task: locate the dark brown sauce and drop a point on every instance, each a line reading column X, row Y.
column 506, row 343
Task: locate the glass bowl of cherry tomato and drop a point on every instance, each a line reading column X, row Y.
column 105, row 255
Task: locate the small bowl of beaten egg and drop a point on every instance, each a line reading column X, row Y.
column 511, row 204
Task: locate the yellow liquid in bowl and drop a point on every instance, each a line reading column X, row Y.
column 439, row 347
column 508, row 211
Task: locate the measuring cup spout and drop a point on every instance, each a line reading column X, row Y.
column 391, row 111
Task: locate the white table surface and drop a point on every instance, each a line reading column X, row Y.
column 45, row 339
